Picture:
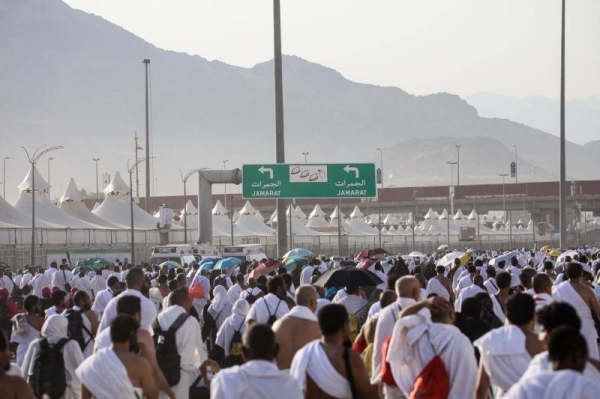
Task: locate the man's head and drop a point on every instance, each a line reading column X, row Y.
column 574, row 271
column 130, row 305
column 441, row 270
column 548, row 266
column 567, row 349
column 408, row 287
column 503, row 280
column 306, row 295
column 514, row 261
column 542, row 284
column 259, row 343
column 387, row 298
column 135, row 279
column 82, row 299
column 113, row 283
column 181, row 297
column 457, row 262
column 239, row 278
column 472, row 269
column 288, row 281
column 491, row 272
column 352, row 289
column 252, row 282
column 478, row 280
column 276, row 286
column 181, row 280
column 443, row 315
column 31, row 304
column 333, row 320
column 422, row 280
column 520, row 310
column 555, row 315
column 526, row 276
column 123, row 329
column 162, row 279
column 58, row 298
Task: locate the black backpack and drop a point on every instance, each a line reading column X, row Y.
column 76, row 328
column 167, row 355
column 235, row 357
column 49, row 376
column 250, row 297
column 272, row 317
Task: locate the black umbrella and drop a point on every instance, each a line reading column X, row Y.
column 348, row 276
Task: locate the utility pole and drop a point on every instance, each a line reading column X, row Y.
column 225, row 167
column 503, row 175
column 137, row 175
column 4, row 177
column 516, row 164
column 49, row 186
column 562, row 188
column 458, row 164
column 97, row 190
column 279, row 126
column 380, row 192
column 146, row 62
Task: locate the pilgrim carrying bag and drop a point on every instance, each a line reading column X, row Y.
column 432, row 382
column 49, row 378
column 167, row 355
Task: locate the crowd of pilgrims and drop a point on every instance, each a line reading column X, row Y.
column 467, row 330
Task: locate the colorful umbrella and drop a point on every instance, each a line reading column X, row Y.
column 208, row 265
column 84, row 267
column 171, row 265
column 365, row 264
column 292, row 263
column 4, row 266
column 348, row 276
column 265, row 268
column 374, row 253
column 227, row 263
column 298, row 252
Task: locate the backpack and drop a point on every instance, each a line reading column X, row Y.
column 272, row 317
column 49, row 375
column 251, row 298
column 432, row 382
column 354, row 324
column 235, row 357
column 197, row 291
column 76, row 328
column 167, row 355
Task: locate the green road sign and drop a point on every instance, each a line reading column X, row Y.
column 342, row 180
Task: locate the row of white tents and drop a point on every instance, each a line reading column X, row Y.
column 114, row 213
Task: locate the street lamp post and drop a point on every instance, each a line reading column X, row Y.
column 225, row 167
column 130, row 170
column 184, row 179
column 137, row 175
column 503, row 175
column 305, row 156
column 97, row 190
column 562, row 188
column 380, row 191
column 450, row 189
column 458, row 164
column 4, row 177
column 146, row 63
column 516, row 164
column 33, row 159
column 49, row 185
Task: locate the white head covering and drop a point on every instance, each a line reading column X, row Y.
column 55, row 327
column 241, row 307
column 220, row 299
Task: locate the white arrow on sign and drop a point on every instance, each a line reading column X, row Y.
column 262, row 170
column 350, row 169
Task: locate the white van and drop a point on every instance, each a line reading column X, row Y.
column 180, row 253
column 245, row 252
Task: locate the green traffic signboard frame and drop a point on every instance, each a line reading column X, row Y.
column 342, row 180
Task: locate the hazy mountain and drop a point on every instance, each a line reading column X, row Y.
column 72, row 78
column 593, row 146
column 582, row 116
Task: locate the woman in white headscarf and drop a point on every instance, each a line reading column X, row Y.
column 220, row 307
column 235, row 322
column 55, row 329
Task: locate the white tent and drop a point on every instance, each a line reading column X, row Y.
column 298, row 228
column 473, row 215
column 316, row 220
column 12, row 217
column 391, row 220
column 189, row 209
column 335, row 213
column 459, row 215
column 259, row 216
column 431, row 215
column 444, row 215
column 247, row 221
column 116, row 207
column 356, row 213
column 72, row 203
column 44, row 208
column 219, row 209
column 298, row 214
column 96, row 205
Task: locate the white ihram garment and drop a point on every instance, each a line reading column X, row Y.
column 541, row 364
column 416, row 341
column 435, row 287
column 189, row 347
column 105, row 376
column 102, row 299
column 563, row 384
column 312, row 361
column 504, row 355
column 54, row 329
column 259, row 312
column 566, row 293
column 110, row 312
column 22, row 335
column 257, row 379
column 465, row 294
column 235, row 322
column 98, row 284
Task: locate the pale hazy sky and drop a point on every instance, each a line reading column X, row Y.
column 510, row 47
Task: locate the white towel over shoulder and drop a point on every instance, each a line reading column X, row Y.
column 105, row 376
